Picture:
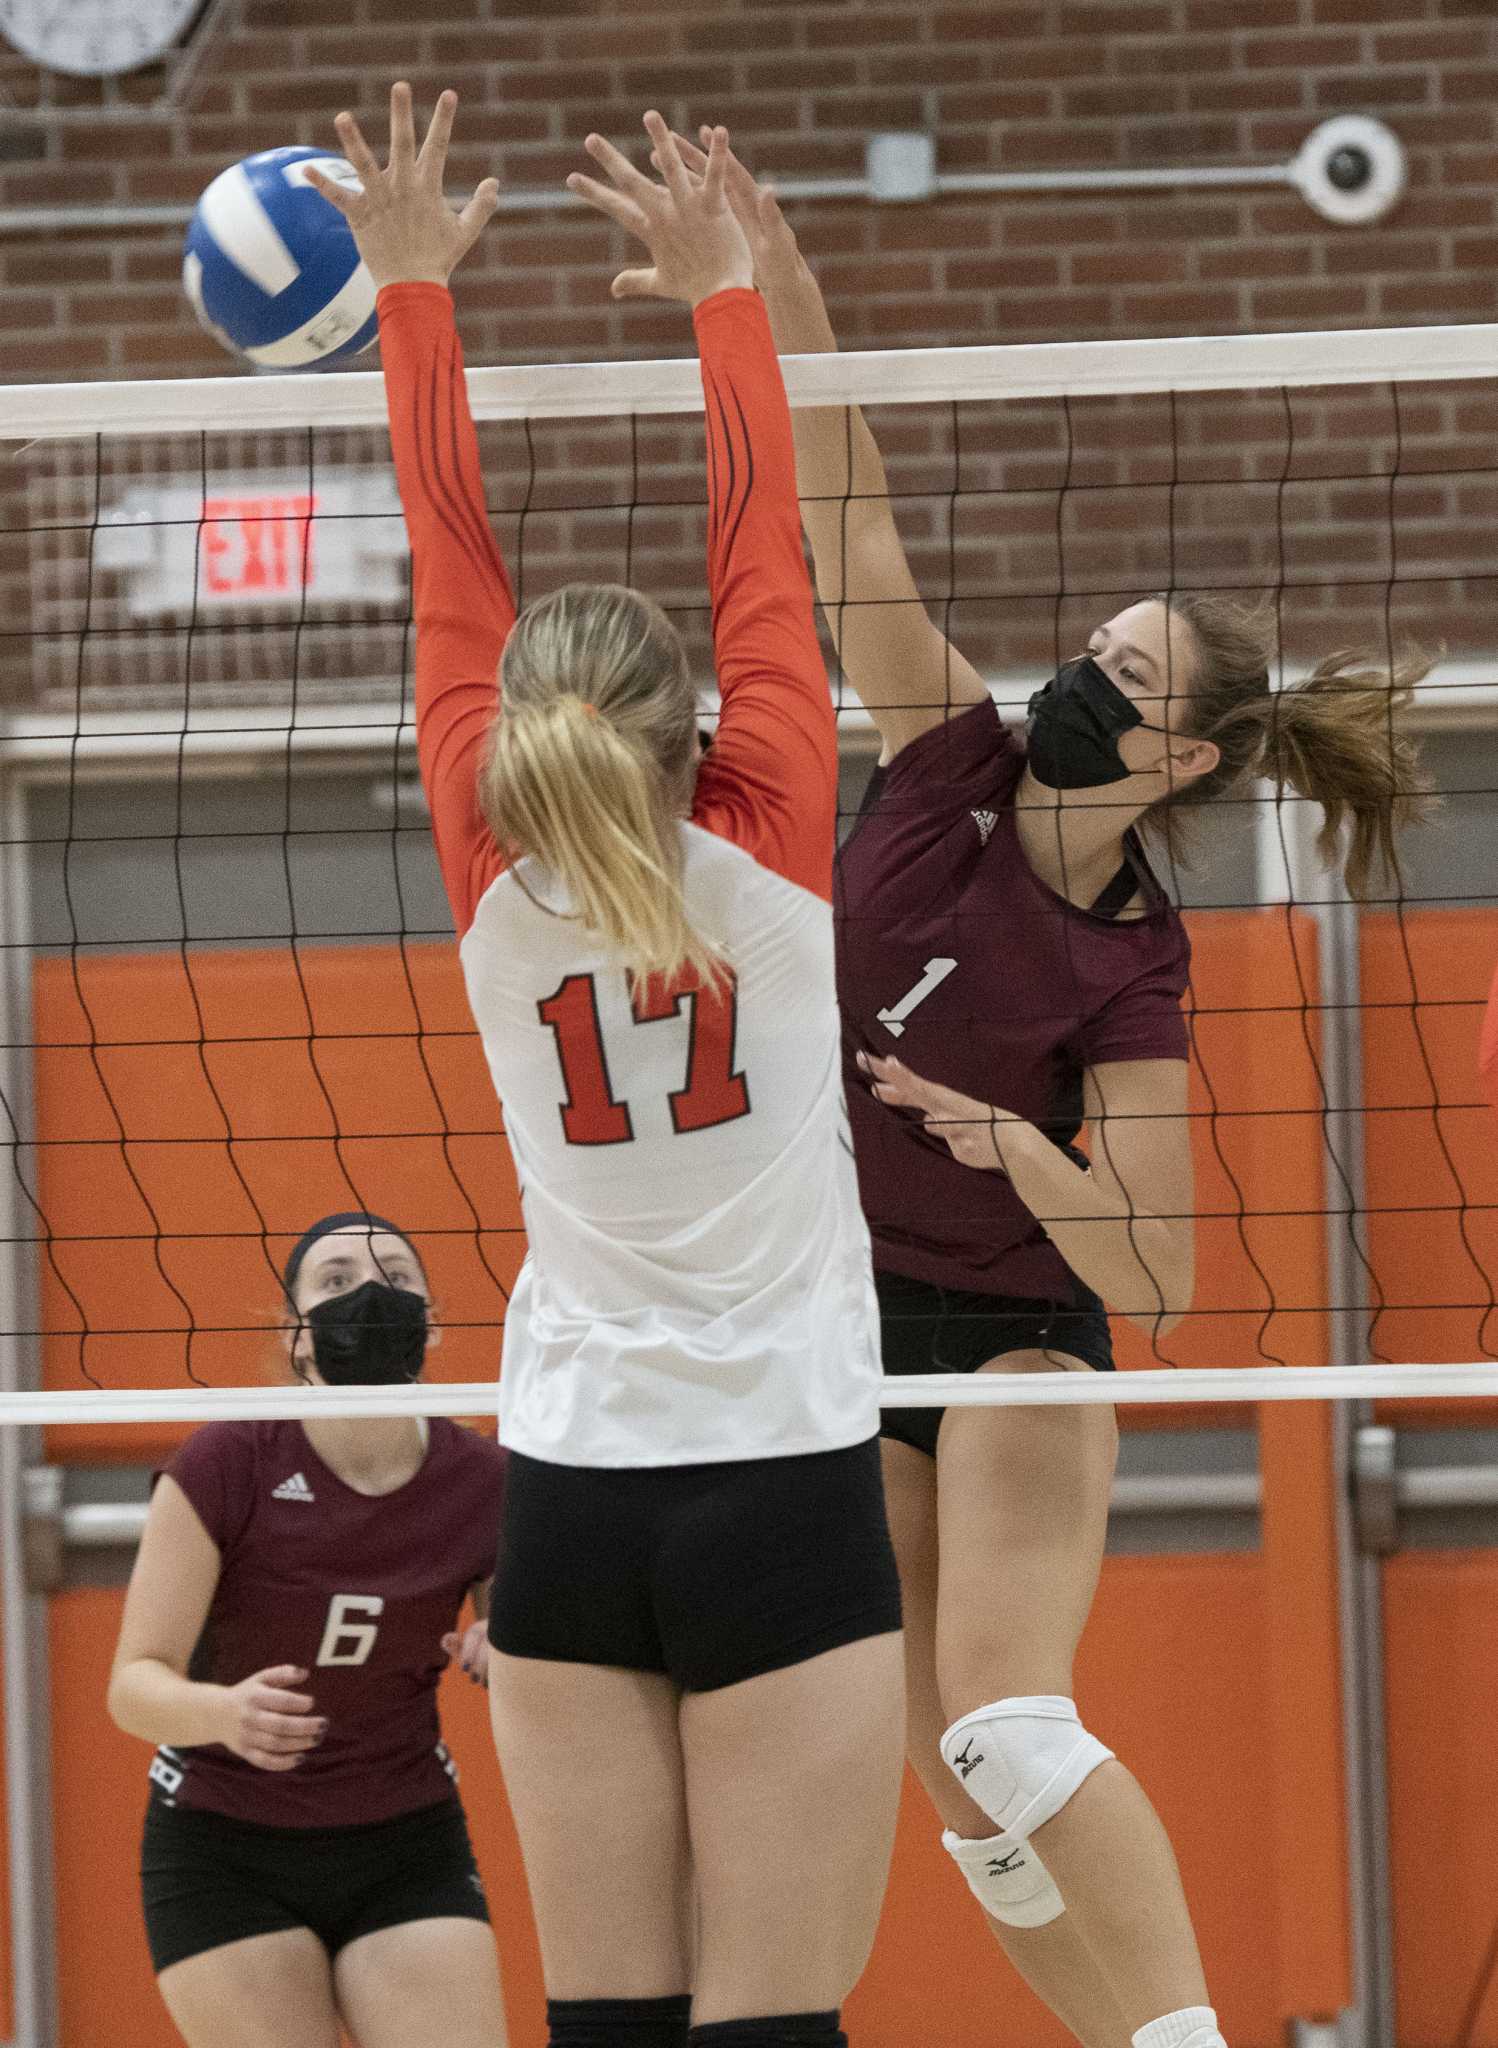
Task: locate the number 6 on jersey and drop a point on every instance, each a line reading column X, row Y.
column 345, row 1641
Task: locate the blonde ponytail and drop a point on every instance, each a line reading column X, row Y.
column 591, row 766
column 1333, row 738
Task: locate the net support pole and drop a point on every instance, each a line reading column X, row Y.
column 1360, row 1601
column 1288, row 869
column 26, row 1679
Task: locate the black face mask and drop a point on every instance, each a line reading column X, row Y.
column 1075, row 724
column 373, row 1336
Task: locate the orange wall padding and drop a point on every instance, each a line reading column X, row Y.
column 1430, row 1141
column 348, row 1077
column 1441, row 1653
column 314, row 1066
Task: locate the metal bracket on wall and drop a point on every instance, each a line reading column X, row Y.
column 43, row 1527
column 1375, row 1490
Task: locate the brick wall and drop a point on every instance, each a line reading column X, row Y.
column 1014, row 83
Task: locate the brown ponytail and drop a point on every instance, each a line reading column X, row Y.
column 591, row 765
column 1334, row 738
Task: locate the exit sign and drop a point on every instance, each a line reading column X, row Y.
column 267, row 542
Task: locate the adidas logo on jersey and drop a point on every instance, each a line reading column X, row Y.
column 294, row 1488
column 985, row 821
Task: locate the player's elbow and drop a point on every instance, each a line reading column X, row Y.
column 122, row 1702
column 1168, row 1264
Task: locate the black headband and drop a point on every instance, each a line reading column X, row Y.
column 346, row 1219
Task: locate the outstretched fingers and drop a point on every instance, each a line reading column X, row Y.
column 606, row 200
column 664, row 151
column 479, row 211
column 617, row 167
column 433, row 158
column 357, row 150
column 717, row 170
column 402, row 127
column 348, row 203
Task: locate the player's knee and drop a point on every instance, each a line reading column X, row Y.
column 1007, row 1878
column 780, row 2030
column 605, row 2022
column 1021, row 1760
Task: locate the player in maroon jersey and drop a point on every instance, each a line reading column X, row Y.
column 292, row 1607
column 1009, row 969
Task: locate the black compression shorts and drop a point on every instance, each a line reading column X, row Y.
column 952, row 1329
column 709, row 1574
column 207, row 1879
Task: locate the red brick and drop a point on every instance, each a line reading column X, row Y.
column 1067, row 226
column 1102, row 17
column 1370, row 251
column 39, row 262
column 988, row 103
column 1008, row 19
column 1310, row 305
column 50, row 358
column 1252, row 260
column 1383, row 91
column 49, row 186
column 120, row 309
column 1444, row 44
column 1128, row 264
column 1009, row 272
column 1463, row 298
column 1296, row 52
column 1228, row 14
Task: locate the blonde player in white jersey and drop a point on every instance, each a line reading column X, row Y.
column 697, row 1672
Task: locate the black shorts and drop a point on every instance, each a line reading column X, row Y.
column 951, row 1329
column 207, row 1879
column 709, row 1574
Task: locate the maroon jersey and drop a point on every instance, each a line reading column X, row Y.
column 358, row 1590
column 956, row 957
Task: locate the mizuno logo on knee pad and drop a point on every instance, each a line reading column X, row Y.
column 1035, row 1756
column 1001, row 1866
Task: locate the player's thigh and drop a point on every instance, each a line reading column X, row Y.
column 793, row 1785
column 591, row 1757
column 423, row 1981
column 1022, row 1506
column 268, row 1991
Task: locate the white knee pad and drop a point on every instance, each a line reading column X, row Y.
column 1007, row 1879
column 1022, row 1759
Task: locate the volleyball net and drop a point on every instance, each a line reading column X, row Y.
column 233, row 1002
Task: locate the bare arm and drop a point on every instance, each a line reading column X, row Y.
column 150, row 1695
column 906, row 672
column 1126, row 1228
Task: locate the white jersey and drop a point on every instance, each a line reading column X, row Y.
column 698, row 1283
column 698, row 1286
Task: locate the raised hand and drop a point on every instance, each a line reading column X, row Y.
column 405, row 230
column 771, row 239
column 696, row 245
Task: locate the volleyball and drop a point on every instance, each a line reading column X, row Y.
column 271, row 268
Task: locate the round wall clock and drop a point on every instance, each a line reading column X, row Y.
column 95, row 38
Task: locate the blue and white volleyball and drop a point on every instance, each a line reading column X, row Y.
column 271, row 267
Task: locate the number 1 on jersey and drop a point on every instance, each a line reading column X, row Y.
column 712, row 1093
